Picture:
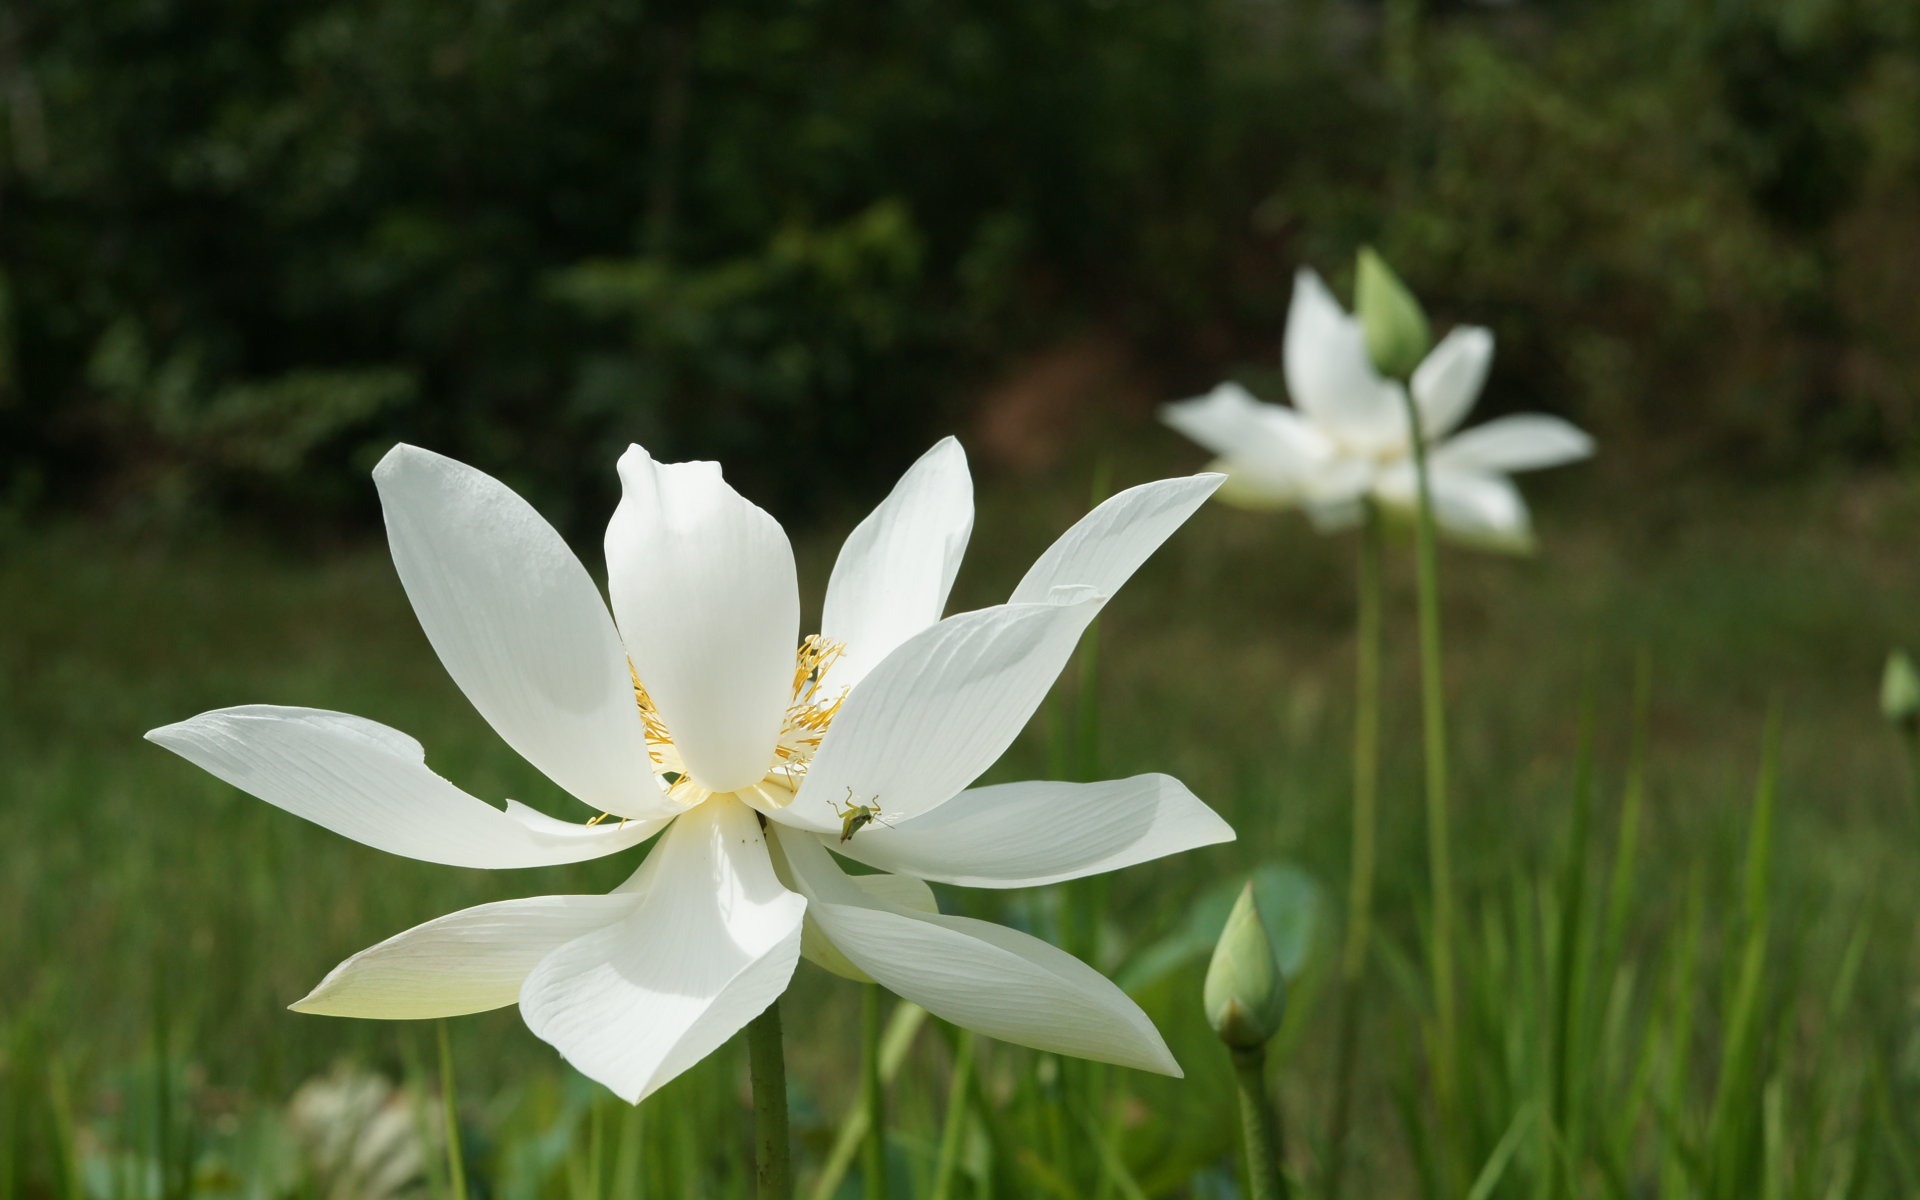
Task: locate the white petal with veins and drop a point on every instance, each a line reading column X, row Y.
column 703, row 588
column 1105, row 547
column 520, row 626
column 1027, row 834
column 938, row 711
column 975, row 974
column 897, row 566
column 466, row 962
column 710, row 944
column 370, row 783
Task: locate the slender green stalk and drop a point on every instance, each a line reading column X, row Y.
column 456, row 1158
column 1259, row 1126
column 873, row 1093
column 1434, row 722
column 947, row 1168
column 1366, row 779
column 767, row 1065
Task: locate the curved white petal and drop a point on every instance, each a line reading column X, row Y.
column 939, row 710
column 1330, row 376
column 1449, row 379
column 703, row 588
column 465, row 962
column 897, row 566
column 976, row 974
column 1253, row 485
column 372, row 784
column 520, row 626
column 1483, row 511
column 1231, row 423
column 1026, row 834
column 897, row 891
column 1525, row 442
column 1105, row 547
column 710, row 944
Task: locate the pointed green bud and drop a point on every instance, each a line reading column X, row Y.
column 1900, row 693
column 1245, row 995
column 1398, row 335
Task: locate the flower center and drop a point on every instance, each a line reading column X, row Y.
column 809, row 713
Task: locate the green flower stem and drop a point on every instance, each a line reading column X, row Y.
column 456, row 1161
column 767, row 1065
column 1259, row 1126
column 1366, row 780
column 1439, row 848
column 873, row 1150
column 948, row 1168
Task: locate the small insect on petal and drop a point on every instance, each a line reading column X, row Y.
column 855, row 816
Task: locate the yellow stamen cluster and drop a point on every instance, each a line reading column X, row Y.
column 810, row 712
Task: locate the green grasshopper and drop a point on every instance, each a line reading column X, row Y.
column 855, row 817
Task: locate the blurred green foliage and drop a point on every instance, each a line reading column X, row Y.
column 244, row 247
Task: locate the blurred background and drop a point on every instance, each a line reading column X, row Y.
column 246, row 246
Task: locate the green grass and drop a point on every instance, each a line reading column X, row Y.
column 1720, row 1006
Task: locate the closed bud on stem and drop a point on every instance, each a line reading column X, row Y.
column 1900, row 693
column 1245, row 995
column 1398, row 335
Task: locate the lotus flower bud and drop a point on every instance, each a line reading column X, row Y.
column 1245, row 994
column 1900, row 693
column 1398, row 335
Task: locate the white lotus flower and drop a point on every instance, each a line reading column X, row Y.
column 1347, row 440
column 686, row 712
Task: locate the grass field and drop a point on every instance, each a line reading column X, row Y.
column 1726, row 1009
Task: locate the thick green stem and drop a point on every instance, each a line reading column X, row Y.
column 1366, row 780
column 1259, row 1126
column 767, row 1064
column 873, row 1151
column 1439, row 843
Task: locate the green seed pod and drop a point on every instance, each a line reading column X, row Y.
column 1398, row 335
column 1900, row 692
column 1245, row 995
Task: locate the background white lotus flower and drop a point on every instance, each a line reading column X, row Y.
column 688, row 710
column 1347, row 439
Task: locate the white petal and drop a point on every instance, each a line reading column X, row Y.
column 1526, row 442
column 1449, row 379
column 703, row 588
column 1330, row 376
column 372, row 784
column 1026, row 834
column 1105, row 547
column 520, row 626
column 1231, row 423
column 976, row 974
column 711, row 943
column 465, row 962
column 1483, row 511
column 898, row 891
column 897, row 566
column 939, row 710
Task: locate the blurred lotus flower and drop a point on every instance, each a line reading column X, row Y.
column 1347, row 441
column 361, row 1136
column 687, row 712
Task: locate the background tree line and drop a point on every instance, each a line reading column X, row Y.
column 244, row 246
